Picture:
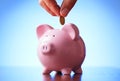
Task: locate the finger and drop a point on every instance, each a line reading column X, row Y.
column 53, row 6
column 46, row 8
column 66, row 6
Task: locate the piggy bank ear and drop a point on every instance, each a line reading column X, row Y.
column 72, row 30
column 41, row 29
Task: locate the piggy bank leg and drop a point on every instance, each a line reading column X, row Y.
column 46, row 71
column 66, row 71
column 79, row 70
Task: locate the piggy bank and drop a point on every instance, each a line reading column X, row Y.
column 60, row 50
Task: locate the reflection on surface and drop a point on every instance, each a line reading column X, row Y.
column 58, row 77
column 35, row 74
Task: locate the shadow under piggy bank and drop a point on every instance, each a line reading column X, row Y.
column 59, row 77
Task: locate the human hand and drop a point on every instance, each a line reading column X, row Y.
column 54, row 9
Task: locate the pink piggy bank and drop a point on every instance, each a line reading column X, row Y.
column 60, row 50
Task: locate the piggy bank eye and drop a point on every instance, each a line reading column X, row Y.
column 53, row 35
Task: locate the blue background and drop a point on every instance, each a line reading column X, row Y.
column 97, row 20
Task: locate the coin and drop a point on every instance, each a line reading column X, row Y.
column 62, row 20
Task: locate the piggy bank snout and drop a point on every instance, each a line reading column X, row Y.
column 47, row 48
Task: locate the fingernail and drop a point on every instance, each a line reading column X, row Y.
column 64, row 12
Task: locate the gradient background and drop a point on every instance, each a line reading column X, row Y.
column 98, row 22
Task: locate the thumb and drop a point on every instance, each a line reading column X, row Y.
column 66, row 6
